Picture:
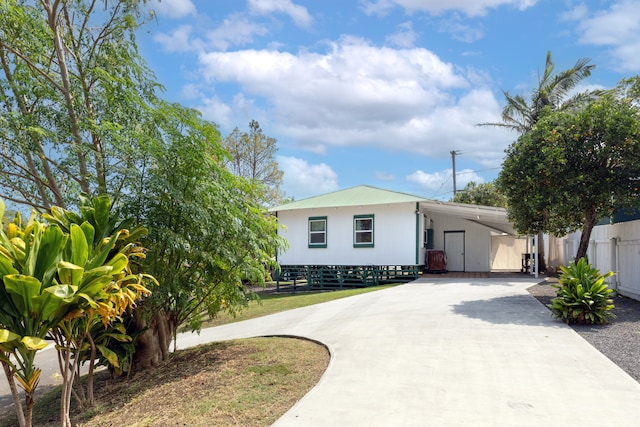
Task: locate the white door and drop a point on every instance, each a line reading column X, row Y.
column 454, row 247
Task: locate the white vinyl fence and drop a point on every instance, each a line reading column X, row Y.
column 614, row 247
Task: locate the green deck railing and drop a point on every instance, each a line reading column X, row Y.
column 314, row 277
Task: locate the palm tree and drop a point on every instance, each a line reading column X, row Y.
column 553, row 92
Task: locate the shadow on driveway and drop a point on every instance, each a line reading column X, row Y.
column 507, row 310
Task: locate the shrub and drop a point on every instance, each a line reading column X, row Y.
column 582, row 297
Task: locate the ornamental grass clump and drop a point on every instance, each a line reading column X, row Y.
column 582, row 296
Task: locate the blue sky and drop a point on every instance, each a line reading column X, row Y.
column 379, row 92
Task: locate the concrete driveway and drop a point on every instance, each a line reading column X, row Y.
column 448, row 352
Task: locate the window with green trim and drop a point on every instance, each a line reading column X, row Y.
column 318, row 232
column 363, row 231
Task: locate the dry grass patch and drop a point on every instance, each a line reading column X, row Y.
column 236, row 383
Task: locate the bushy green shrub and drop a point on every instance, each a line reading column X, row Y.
column 582, row 296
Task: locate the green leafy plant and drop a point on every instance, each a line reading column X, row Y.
column 60, row 282
column 97, row 335
column 583, row 297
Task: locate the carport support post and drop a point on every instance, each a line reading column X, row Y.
column 535, row 255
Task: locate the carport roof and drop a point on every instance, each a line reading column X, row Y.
column 488, row 216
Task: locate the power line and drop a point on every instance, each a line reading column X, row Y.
column 479, row 170
column 444, row 182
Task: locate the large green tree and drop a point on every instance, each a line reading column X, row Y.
column 80, row 113
column 210, row 234
column 252, row 157
column 73, row 91
column 484, row 193
column 551, row 93
column 574, row 168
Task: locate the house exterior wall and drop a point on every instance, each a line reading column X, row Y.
column 477, row 241
column 394, row 236
column 399, row 237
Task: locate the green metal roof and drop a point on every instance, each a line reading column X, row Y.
column 355, row 196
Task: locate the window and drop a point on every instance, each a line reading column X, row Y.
column 363, row 231
column 318, row 232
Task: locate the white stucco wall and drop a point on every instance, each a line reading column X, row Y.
column 477, row 240
column 394, row 236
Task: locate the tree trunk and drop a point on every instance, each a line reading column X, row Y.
column 51, row 183
column 152, row 346
column 28, row 403
column 14, row 393
column 67, row 92
column 542, row 265
column 92, row 366
column 68, row 370
column 552, row 265
column 590, row 220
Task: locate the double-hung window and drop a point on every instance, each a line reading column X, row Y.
column 318, row 232
column 363, row 231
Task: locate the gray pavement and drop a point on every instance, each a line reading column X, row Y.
column 448, row 352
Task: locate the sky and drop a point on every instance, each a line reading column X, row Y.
column 379, row 92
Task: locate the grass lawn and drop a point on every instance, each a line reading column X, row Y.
column 249, row 382
column 270, row 303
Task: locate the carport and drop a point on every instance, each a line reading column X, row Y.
column 505, row 249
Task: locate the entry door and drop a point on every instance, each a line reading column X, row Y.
column 454, row 247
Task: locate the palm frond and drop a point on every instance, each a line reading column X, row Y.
column 553, row 88
column 565, row 81
column 579, row 100
column 501, row 125
column 549, row 66
column 517, row 112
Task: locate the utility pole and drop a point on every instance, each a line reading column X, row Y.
column 453, row 161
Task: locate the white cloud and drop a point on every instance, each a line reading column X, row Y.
column 179, row 40
column 237, row 113
column 174, row 8
column 214, row 110
column 297, row 13
column 576, row 14
column 404, row 37
column 377, row 7
column 235, row 30
column 306, row 180
column 384, row 176
column 440, row 184
column 460, row 31
column 357, row 94
column 468, row 7
column 191, row 91
column 617, row 27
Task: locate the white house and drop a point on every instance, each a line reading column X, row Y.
column 366, row 234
